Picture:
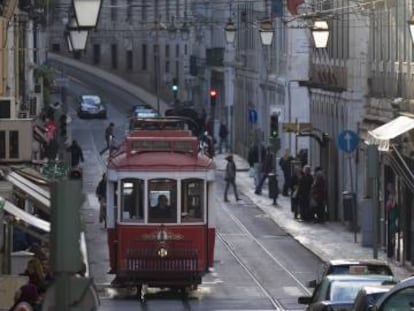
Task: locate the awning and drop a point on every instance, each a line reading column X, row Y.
column 382, row 135
column 26, row 217
column 30, row 188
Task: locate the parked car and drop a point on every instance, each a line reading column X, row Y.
column 91, row 106
column 398, row 298
column 338, row 292
column 349, row 266
column 368, row 296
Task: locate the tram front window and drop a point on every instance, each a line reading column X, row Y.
column 192, row 200
column 132, row 200
column 162, row 200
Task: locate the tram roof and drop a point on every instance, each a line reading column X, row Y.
column 160, row 161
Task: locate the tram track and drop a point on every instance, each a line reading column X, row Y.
column 277, row 305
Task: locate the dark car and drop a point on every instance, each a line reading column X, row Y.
column 338, row 292
column 349, row 266
column 399, row 298
column 368, row 296
column 91, row 106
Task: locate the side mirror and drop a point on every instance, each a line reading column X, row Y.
column 312, row 284
column 304, row 300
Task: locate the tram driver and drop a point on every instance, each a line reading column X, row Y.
column 162, row 210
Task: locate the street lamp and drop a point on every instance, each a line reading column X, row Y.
column 411, row 26
column 266, row 32
column 77, row 37
column 87, row 13
column 320, row 33
column 230, row 32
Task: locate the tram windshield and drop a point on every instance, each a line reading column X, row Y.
column 132, row 200
column 162, row 205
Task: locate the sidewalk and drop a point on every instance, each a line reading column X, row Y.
column 331, row 240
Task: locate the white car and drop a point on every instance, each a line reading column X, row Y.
column 91, row 106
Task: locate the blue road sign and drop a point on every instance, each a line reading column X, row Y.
column 348, row 141
column 252, row 116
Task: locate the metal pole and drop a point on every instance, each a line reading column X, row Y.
column 157, row 64
column 354, row 211
column 372, row 172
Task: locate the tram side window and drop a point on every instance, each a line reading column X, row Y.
column 132, row 200
column 162, row 205
column 192, row 200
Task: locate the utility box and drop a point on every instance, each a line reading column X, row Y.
column 367, row 224
column 348, row 204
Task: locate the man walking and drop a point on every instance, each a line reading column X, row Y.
column 109, row 136
column 76, row 153
column 267, row 168
column 230, row 178
column 285, row 163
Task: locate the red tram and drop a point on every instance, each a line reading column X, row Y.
column 160, row 207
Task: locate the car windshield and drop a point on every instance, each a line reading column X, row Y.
column 91, row 102
column 346, row 291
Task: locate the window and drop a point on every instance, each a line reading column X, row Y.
column 167, row 66
column 5, row 109
column 2, row 144
column 167, row 50
column 132, row 200
column 129, row 11
column 192, row 200
column 129, row 60
column 13, row 144
column 177, row 50
column 144, row 10
column 144, row 57
column 114, row 56
column 162, row 200
column 185, row 49
column 96, row 54
column 399, row 301
column 56, row 47
column 113, row 10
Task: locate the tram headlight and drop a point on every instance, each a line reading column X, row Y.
column 162, row 252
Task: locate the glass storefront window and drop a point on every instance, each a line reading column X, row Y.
column 192, row 200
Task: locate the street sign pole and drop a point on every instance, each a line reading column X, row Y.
column 372, row 172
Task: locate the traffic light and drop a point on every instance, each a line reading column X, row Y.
column 213, row 96
column 274, row 125
column 174, row 87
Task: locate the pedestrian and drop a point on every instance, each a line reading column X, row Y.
column 230, row 177
column 223, row 137
column 285, row 164
column 101, row 195
column 26, row 298
column 109, row 137
column 207, row 144
column 267, row 168
column 318, row 195
column 294, row 202
column 304, row 189
column 76, row 153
